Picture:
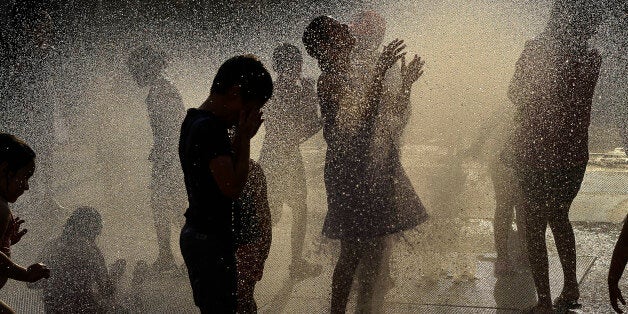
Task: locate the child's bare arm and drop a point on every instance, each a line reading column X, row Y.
column 231, row 174
column 391, row 54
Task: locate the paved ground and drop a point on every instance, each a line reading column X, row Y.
column 413, row 292
column 433, row 266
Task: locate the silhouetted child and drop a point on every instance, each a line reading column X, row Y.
column 166, row 112
column 290, row 118
column 17, row 164
column 253, row 223
column 616, row 269
column 369, row 28
column 215, row 170
column 357, row 214
column 508, row 199
column 81, row 282
column 552, row 88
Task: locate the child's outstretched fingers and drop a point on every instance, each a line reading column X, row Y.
column 412, row 71
column 16, row 233
column 391, row 54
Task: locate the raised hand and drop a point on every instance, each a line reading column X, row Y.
column 16, row 233
column 410, row 73
column 391, row 54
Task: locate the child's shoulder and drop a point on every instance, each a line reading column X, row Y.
column 201, row 121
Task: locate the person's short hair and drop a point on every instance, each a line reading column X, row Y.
column 15, row 152
column 246, row 72
column 147, row 57
column 315, row 36
column 285, row 56
column 85, row 221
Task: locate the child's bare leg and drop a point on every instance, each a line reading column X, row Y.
column 521, row 233
column 299, row 227
column 165, row 259
column 370, row 274
column 342, row 279
column 502, row 224
column 275, row 201
column 536, row 225
column 503, row 182
column 566, row 247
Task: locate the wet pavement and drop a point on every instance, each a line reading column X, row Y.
column 443, row 266
column 413, row 291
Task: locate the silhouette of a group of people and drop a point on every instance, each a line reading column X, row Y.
column 361, row 101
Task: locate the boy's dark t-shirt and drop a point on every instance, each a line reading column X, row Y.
column 203, row 138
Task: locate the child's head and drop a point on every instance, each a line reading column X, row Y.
column 287, row 60
column 369, row 28
column 85, row 222
column 244, row 84
column 145, row 64
column 328, row 40
column 17, row 164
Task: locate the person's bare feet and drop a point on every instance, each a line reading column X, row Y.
column 302, row 269
column 568, row 299
column 540, row 309
column 164, row 262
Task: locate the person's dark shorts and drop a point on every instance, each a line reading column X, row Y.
column 212, row 270
column 553, row 185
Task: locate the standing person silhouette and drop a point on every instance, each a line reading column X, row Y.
column 369, row 28
column 508, row 199
column 215, row 169
column 291, row 117
column 552, row 89
column 358, row 214
column 166, row 112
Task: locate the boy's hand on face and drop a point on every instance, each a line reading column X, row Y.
column 16, row 233
column 249, row 123
column 36, row 272
column 410, row 73
column 391, row 54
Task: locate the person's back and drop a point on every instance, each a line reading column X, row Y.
column 204, row 127
column 166, row 112
column 552, row 90
column 291, row 116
